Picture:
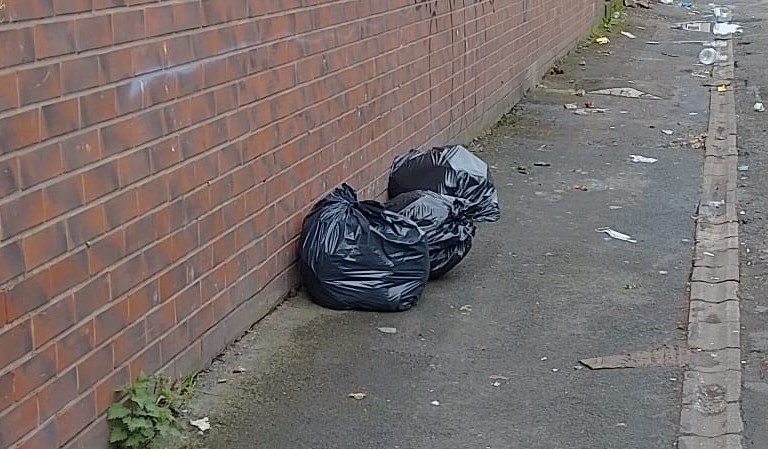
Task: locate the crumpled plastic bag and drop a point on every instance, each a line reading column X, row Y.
column 448, row 231
column 452, row 171
column 359, row 256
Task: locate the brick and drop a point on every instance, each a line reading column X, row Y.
column 45, row 436
column 22, row 10
column 173, row 343
column 9, row 176
column 61, row 7
column 164, row 154
column 79, row 150
column 92, row 296
column 80, row 74
column 106, row 251
column 94, row 367
column 86, row 225
column 39, row 84
column 20, row 130
column 27, row 295
column 160, row 321
column 74, row 345
column 40, row 164
column 54, row 396
column 18, row 421
column 133, row 167
column 68, row 272
column 9, row 92
column 76, row 417
column 128, row 274
column 22, row 213
column 116, row 65
column 44, row 245
column 148, row 361
column 11, row 261
column 158, row 20
column 128, row 26
column 53, row 320
column 54, row 39
column 106, row 391
column 63, row 196
column 94, row 435
column 17, row 340
column 33, row 373
column 59, row 118
column 100, row 181
column 17, row 46
column 122, row 208
column 152, row 194
column 111, row 321
column 93, row 32
column 98, row 107
column 129, row 342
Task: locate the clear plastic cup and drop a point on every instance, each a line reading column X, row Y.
column 709, row 56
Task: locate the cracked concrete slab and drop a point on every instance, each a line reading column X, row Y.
column 711, row 418
column 696, row 383
column 722, row 442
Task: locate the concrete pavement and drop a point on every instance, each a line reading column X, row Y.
column 544, row 291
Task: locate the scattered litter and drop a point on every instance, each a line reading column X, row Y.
column 722, row 88
column 661, row 356
column 615, row 207
column 628, row 34
column 571, row 106
column 580, row 187
column 465, row 308
column 653, row 42
column 704, row 27
column 543, row 359
column 616, row 235
column 621, row 424
column 709, row 56
column 387, row 330
column 580, row 92
column 498, row 377
column 686, row 4
column 663, row 272
column 554, row 370
column 582, row 111
column 726, row 29
column 643, row 159
column 722, row 13
column 667, row 2
column 238, row 370
column 707, row 253
column 435, row 403
column 693, row 113
column 699, row 141
column 743, row 168
column 496, row 384
column 222, row 381
column 700, row 74
column 668, row 132
column 357, row 396
column 541, row 164
column 628, row 92
column 202, row 424
column 602, row 40
column 623, row 112
column 759, row 107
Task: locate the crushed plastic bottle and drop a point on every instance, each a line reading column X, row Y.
column 722, row 13
column 709, row 56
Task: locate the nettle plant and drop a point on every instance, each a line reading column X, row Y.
column 148, row 414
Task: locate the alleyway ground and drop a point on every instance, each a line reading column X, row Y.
column 545, row 289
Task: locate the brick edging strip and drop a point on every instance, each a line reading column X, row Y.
column 710, row 416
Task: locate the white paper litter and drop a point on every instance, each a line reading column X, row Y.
column 202, row 424
column 629, row 92
column 643, row 159
column 629, row 35
column 725, row 29
column 616, row 235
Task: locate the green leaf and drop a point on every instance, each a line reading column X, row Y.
column 135, row 423
column 148, row 433
column 117, row 411
column 118, row 434
column 136, row 441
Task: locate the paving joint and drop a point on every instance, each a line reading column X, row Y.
column 710, row 415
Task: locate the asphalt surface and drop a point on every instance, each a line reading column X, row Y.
column 545, row 290
column 752, row 76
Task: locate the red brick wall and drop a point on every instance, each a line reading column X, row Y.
column 157, row 159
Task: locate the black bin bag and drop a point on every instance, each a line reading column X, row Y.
column 359, row 256
column 452, row 171
column 449, row 233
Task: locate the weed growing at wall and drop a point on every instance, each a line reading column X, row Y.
column 149, row 413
